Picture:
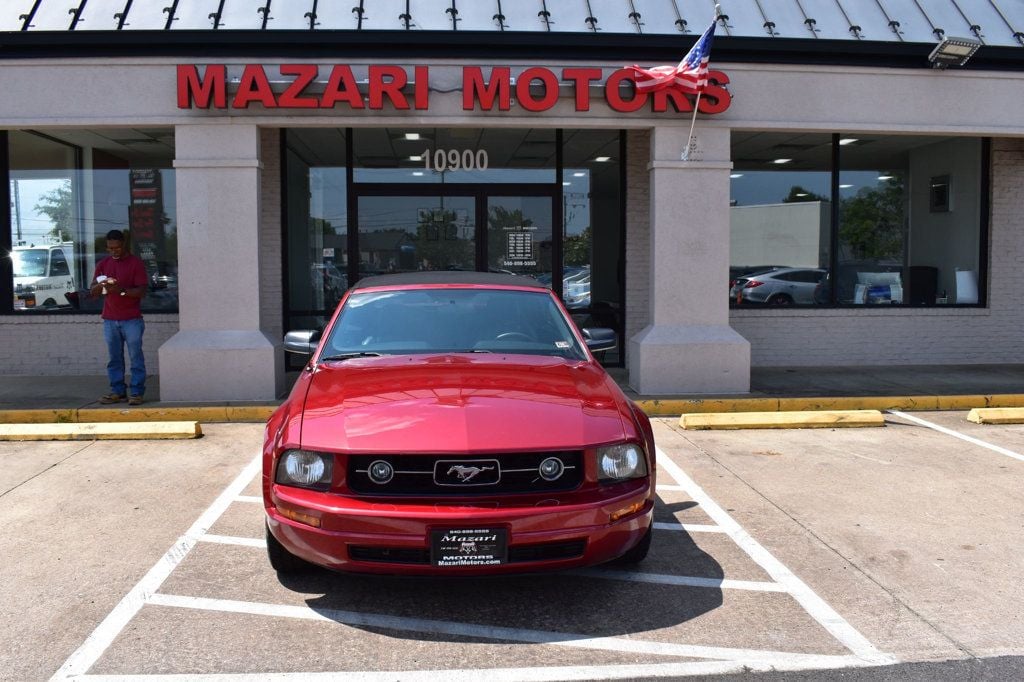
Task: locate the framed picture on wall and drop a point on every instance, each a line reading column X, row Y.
column 938, row 194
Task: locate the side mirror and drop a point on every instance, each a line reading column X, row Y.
column 302, row 341
column 599, row 339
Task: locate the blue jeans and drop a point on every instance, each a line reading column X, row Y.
column 118, row 334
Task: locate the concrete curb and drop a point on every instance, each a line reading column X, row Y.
column 782, row 420
column 196, row 413
column 163, row 430
column 996, row 415
column 670, row 407
column 654, row 407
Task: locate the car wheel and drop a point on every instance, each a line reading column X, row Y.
column 780, row 299
column 49, row 303
column 638, row 552
column 281, row 560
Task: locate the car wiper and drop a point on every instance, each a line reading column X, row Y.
column 348, row 356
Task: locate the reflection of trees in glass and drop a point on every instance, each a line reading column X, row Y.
column 798, row 193
column 871, row 223
column 502, row 217
column 576, row 249
column 438, row 242
column 58, row 205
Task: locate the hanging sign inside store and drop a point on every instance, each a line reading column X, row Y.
column 535, row 89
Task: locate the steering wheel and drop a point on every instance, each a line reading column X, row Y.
column 509, row 336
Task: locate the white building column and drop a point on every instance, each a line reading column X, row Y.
column 220, row 352
column 688, row 346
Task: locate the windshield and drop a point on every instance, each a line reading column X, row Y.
column 29, row 262
column 452, row 321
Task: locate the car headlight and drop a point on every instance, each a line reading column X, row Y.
column 305, row 469
column 621, row 462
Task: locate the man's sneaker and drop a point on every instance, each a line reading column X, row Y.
column 112, row 398
column 135, row 400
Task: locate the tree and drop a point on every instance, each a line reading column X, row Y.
column 58, row 206
column 576, row 250
column 438, row 243
column 871, row 224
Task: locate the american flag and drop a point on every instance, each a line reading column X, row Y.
column 691, row 75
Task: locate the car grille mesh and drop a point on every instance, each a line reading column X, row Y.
column 415, row 474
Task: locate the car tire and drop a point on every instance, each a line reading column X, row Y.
column 637, row 552
column 281, row 560
column 780, row 299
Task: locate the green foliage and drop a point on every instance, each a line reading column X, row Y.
column 438, row 242
column 871, row 224
column 577, row 247
column 58, row 206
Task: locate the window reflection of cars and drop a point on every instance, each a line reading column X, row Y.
column 327, row 278
column 738, row 272
column 785, row 286
column 457, row 388
column 43, row 275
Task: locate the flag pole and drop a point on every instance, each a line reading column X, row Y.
column 693, row 122
column 696, row 104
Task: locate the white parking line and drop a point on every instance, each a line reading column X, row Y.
column 957, row 434
column 681, row 580
column 539, row 674
column 105, row 633
column 480, row 631
column 814, row 605
column 249, row 498
column 688, row 527
column 231, row 540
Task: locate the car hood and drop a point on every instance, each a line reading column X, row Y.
column 460, row 403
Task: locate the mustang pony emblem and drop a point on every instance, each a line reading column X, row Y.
column 466, row 474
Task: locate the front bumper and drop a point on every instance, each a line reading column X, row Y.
column 364, row 536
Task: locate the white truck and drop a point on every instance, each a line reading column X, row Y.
column 43, row 274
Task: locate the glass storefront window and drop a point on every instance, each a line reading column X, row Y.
column 67, row 190
column 908, row 229
column 370, row 201
column 317, row 216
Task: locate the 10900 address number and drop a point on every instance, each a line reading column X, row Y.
column 454, row 159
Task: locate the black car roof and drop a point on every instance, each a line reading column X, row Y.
column 448, row 277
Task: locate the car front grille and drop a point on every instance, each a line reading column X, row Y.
column 551, row 551
column 465, row 475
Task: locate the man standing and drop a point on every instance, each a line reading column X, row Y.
column 121, row 279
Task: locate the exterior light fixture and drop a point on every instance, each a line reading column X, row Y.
column 412, row 136
column 781, row 161
column 953, row 52
column 602, row 159
column 416, row 158
column 848, row 140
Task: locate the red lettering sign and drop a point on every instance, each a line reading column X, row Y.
column 536, row 89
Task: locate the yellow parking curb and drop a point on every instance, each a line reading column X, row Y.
column 996, row 415
column 782, row 420
column 670, row 407
column 101, row 431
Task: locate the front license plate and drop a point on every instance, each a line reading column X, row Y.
column 469, row 547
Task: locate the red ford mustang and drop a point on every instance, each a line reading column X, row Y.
column 455, row 423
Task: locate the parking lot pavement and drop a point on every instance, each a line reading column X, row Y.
column 912, row 533
column 788, row 550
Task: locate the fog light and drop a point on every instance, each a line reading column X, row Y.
column 380, row 472
column 551, row 469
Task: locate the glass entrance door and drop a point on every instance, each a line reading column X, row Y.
column 519, row 236
column 411, row 233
